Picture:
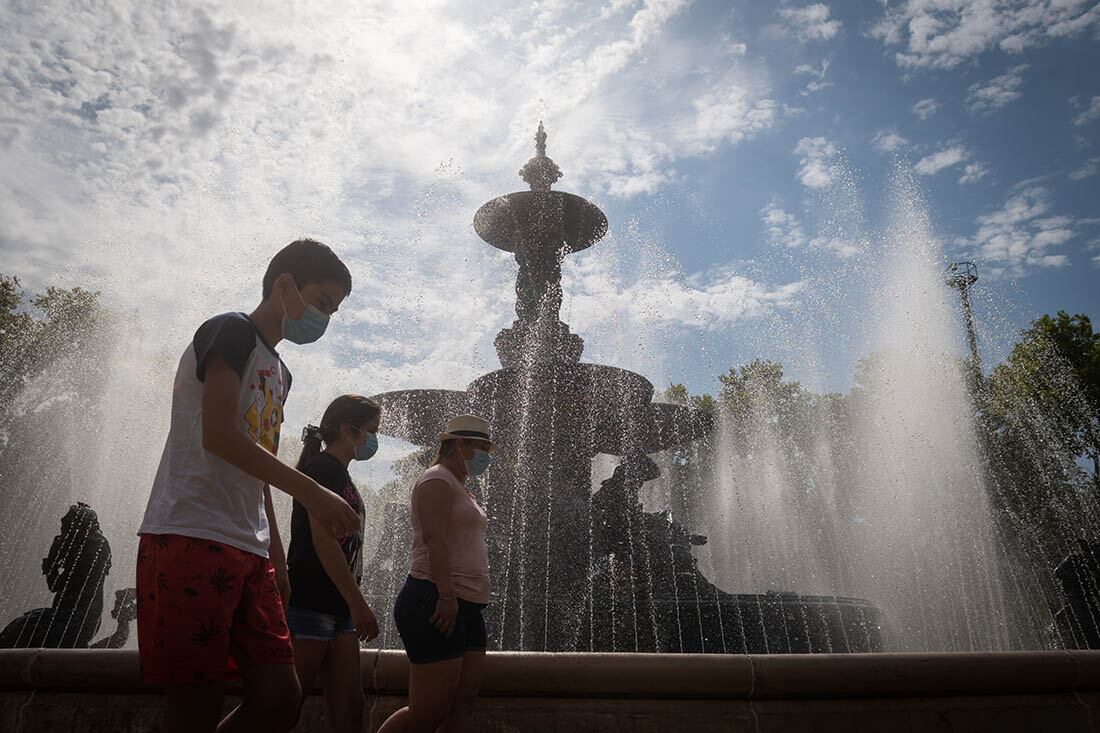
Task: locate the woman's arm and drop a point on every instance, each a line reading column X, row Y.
column 334, row 562
column 432, row 503
column 336, row 567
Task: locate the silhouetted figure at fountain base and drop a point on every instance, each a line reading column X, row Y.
column 75, row 569
column 1077, row 624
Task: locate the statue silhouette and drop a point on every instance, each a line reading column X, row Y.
column 124, row 612
column 75, row 569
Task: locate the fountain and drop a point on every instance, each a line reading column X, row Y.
column 575, row 569
column 583, row 565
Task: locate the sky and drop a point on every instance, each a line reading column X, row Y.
column 748, row 156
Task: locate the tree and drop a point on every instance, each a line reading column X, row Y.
column 36, row 330
column 1050, row 385
column 678, row 394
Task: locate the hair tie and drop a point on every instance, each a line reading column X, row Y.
column 311, row 431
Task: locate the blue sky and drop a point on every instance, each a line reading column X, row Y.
column 746, row 155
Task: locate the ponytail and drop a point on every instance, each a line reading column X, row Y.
column 346, row 409
column 311, row 445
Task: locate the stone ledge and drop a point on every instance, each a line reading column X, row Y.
column 645, row 676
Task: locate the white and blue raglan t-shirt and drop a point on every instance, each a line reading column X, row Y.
column 195, row 493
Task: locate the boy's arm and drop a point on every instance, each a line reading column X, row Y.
column 275, row 548
column 222, row 436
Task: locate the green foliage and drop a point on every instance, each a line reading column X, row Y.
column 1045, row 399
column 37, row 329
column 1038, row 415
column 1073, row 339
column 677, row 394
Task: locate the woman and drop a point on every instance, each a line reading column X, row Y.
column 439, row 609
column 327, row 613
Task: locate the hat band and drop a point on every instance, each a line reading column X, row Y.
column 470, row 434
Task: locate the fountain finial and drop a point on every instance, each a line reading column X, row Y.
column 540, row 172
column 540, row 141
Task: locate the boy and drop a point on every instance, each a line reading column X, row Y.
column 211, row 570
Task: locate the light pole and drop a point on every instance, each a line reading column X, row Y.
column 962, row 275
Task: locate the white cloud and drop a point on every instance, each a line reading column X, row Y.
column 162, row 152
column 809, row 70
column 729, row 114
column 938, row 161
column 973, row 173
column 945, row 33
column 810, row 23
column 817, row 167
column 815, row 86
column 783, row 229
column 1090, row 114
column 925, row 108
column 1094, row 246
column 996, row 92
column 604, row 297
column 886, row 141
column 818, row 83
column 1089, row 169
column 1020, row 236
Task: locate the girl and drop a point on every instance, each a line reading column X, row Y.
column 327, row 614
column 439, row 610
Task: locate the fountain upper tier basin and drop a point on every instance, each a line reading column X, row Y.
column 610, row 406
column 524, row 219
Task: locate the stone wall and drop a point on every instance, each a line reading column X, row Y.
column 88, row 691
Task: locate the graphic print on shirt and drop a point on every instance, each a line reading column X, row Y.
column 264, row 416
column 353, row 546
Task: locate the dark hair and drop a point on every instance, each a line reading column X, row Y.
column 349, row 409
column 308, row 261
column 446, row 447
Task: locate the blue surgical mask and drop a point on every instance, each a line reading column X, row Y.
column 307, row 329
column 368, row 449
column 476, row 466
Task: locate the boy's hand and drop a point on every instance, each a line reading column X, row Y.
column 332, row 512
column 366, row 625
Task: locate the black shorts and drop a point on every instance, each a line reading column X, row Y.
column 423, row 642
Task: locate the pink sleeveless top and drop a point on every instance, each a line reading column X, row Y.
column 465, row 540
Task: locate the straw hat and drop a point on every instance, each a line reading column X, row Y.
column 468, row 426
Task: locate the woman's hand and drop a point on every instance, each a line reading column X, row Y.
column 446, row 610
column 366, row 625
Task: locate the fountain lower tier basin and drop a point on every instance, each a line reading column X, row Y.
column 742, row 623
column 600, row 408
column 55, row 690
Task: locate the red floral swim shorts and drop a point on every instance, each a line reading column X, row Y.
column 204, row 609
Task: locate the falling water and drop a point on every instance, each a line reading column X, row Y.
column 888, row 502
column 925, row 546
column 908, row 522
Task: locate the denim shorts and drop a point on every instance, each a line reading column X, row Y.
column 316, row 626
column 424, row 643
